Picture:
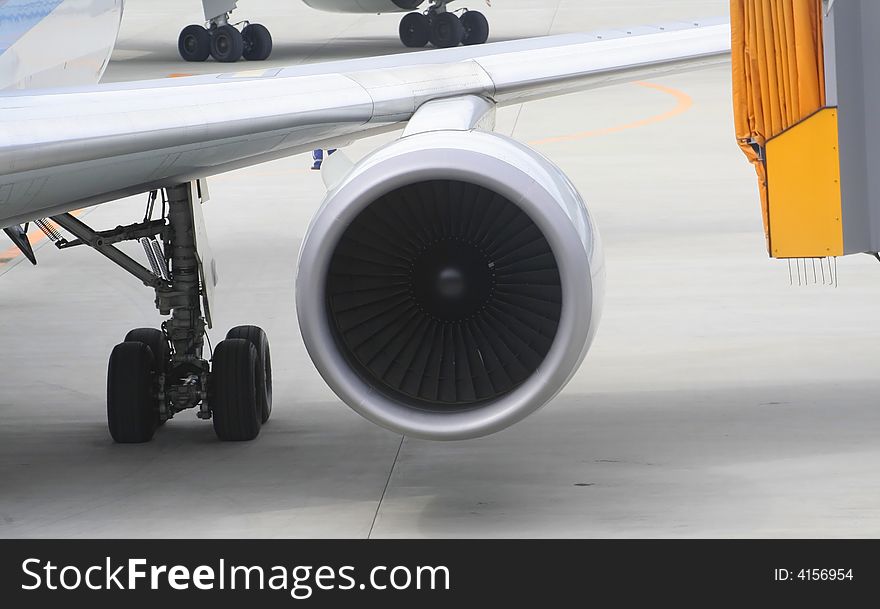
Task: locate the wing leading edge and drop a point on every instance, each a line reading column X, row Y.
column 64, row 149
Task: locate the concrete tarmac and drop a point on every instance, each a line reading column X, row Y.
column 717, row 401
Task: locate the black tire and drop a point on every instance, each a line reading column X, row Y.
column 446, row 30
column 194, row 43
column 476, row 28
column 132, row 406
column 257, row 337
column 415, row 30
column 233, row 391
column 158, row 345
column 226, row 44
column 257, row 42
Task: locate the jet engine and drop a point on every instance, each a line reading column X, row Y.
column 450, row 284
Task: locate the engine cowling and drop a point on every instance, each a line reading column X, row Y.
column 450, row 284
column 364, row 6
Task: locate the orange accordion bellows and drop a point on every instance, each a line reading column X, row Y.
column 778, row 73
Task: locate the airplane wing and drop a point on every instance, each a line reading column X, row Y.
column 63, row 149
column 451, row 282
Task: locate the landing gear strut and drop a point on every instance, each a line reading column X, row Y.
column 223, row 40
column 156, row 373
column 442, row 28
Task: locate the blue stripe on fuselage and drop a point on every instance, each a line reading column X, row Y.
column 19, row 16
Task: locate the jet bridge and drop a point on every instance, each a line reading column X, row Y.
column 805, row 85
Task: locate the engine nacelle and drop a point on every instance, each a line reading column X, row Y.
column 450, row 284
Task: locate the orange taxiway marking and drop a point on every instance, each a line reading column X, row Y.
column 35, row 236
column 685, row 102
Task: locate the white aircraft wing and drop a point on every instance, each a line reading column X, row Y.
column 63, row 149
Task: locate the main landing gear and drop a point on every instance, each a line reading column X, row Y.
column 222, row 40
column 443, row 29
column 155, row 373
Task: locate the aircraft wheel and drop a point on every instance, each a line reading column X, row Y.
column 257, row 42
column 257, row 337
column 226, row 44
column 446, row 30
column 233, row 391
column 476, row 28
column 158, row 344
column 132, row 406
column 415, row 30
column 194, row 43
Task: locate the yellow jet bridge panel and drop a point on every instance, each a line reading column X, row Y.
column 803, row 179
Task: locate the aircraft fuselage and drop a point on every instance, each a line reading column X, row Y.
column 56, row 43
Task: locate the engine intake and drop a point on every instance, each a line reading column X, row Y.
column 450, row 284
column 445, row 294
